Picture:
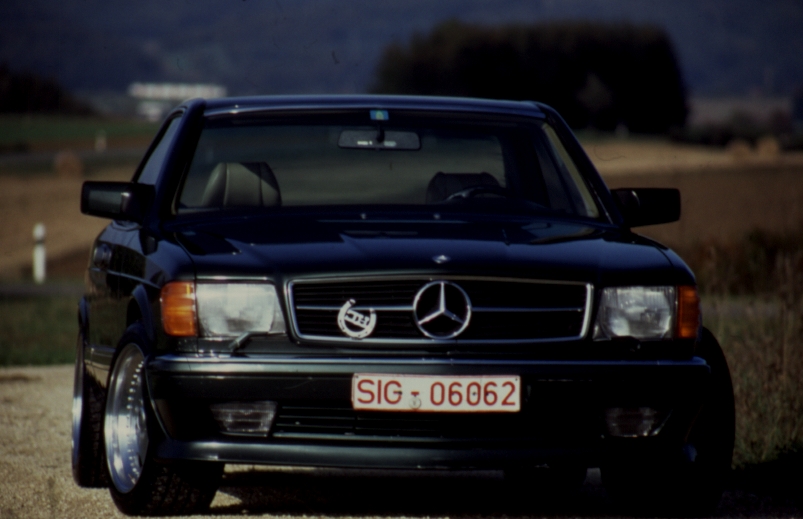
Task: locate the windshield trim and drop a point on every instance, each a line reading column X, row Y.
column 465, row 121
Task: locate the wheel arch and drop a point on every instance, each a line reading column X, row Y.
column 139, row 309
column 83, row 316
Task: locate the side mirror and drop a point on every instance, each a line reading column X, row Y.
column 647, row 206
column 116, row 200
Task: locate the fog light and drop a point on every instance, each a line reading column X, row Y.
column 635, row 422
column 252, row 418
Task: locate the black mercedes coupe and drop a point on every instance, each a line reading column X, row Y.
column 388, row 282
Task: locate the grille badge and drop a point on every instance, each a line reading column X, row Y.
column 443, row 258
column 355, row 324
column 441, row 310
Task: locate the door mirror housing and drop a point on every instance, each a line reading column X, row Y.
column 125, row 201
column 647, row 206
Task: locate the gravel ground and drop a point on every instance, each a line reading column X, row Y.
column 36, row 480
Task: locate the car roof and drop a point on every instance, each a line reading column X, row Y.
column 235, row 105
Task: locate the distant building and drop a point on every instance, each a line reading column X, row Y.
column 156, row 99
column 721, row 110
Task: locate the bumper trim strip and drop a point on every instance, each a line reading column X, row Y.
column 364, row 456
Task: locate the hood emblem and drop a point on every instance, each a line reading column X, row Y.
column 355, row 324
column 441, row 310
column 441, row 259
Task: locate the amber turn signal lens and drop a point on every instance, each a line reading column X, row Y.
column 688, row 323
column 178, row 309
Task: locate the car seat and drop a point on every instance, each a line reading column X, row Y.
column 242, row 184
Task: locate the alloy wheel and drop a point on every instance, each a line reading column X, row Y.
column 125, row 426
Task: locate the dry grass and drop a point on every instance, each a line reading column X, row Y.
column 762, row 342
column 54, row 201
column 754, row 305
column 37, row 330
column 654, row 156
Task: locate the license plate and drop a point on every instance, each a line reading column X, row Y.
column 436, row 393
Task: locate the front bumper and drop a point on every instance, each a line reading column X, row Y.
column 563, row 413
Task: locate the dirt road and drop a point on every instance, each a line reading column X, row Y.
column 36, row 481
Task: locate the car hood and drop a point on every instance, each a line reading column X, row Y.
column 293, row 246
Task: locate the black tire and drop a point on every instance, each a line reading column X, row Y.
column 693, row 485
column 88, row 463
column 139, row 485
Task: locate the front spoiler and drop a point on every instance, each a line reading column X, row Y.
column 185, row 381
column 365, row 456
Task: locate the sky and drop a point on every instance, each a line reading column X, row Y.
column 725, row 47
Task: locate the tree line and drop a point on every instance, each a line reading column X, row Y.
column 24, row 92
column 596, row 75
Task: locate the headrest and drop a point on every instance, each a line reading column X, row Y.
column 242, row 184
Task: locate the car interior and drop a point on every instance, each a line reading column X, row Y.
column 445, row 185
column 242, row 184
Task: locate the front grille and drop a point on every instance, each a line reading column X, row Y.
column 391, row 325
column 502, row 310
column 368, row 293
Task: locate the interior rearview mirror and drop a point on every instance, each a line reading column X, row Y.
column 379, row 140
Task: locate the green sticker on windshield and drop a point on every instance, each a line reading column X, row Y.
column 379, row 115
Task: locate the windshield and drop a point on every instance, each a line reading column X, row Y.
column 396, row 160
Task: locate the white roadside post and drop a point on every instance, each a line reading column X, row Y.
column 39, row 259
column 100, row 141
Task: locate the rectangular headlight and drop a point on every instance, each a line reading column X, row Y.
column 638, row 312
column 231, row 309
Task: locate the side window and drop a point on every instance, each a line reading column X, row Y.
column 153, row 165
column 572, row 179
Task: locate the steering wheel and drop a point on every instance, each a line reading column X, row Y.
column 471, row 192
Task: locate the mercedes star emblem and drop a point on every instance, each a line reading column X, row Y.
column 442, row 310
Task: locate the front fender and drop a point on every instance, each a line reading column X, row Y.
column 83, row 317
column 140, row 309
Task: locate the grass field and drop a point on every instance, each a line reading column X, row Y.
column 37, row 330
column 53, row 201
column 761, row 338
column 53, row 133
column 754, row 305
